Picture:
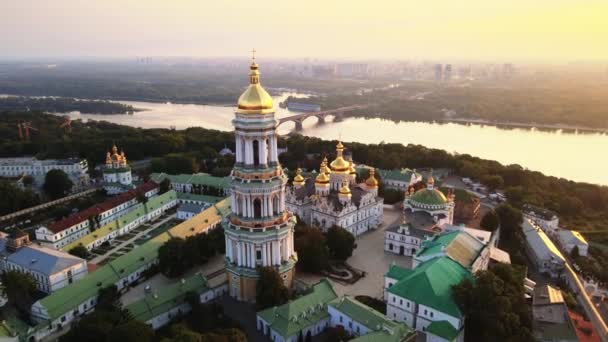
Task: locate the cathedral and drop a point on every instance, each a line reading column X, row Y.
column 259, row 231
column 117, row 173
column 333, row 197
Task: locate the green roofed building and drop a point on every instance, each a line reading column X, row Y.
column 143, row 212
column 312, row 313
column 399, row 179
column 201, row 183
column 459, row 246
column 60, row 308
column 304, row 315
column 158, row 308
column 432, row 201
column 366, row 323
column 423, row 295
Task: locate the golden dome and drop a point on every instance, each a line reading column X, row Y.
column 371, row 182
column 322, row 178
column 255, row 99
column 298, row 179
column 345, row 189
column 340, row 165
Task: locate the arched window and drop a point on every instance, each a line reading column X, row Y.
column 256, row 153
column 257, row 208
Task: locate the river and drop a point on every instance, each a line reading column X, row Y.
column 574, row 156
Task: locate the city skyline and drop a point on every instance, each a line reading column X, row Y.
column 551, row 31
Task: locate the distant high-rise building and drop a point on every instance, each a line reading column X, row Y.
column 447, row 73
column 508, row 70
column 438, row 72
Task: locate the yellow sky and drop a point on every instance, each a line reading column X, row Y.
column 557, row 30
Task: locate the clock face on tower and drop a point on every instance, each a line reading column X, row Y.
column 259, row 232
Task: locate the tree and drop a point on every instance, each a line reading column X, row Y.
column 490, row 221
column 13, row 198
column 164, row 186
column 312, row 250
column 80, row 251
column 511, row 234
column 338, row 333
column 270, row 290
column 141, row 197
column 494, row 306
column 574, row 253
column 340, row 242
column 20, row 289
column 57, row 184
column 133, row 331
column 493, row 182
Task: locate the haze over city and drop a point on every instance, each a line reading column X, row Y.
column 517, row 30
column 312, row 171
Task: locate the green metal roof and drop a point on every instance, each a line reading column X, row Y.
column 431, row 284
column 397, row 272
column 443, row 329
column 291, row 317
column 71, row 296
column 359, row 312
column 382, row 328
column 403, row 175
column 196, row 178
column 140, row 210
column 200, row 198
column 458, row 245
column 430, row 197
column 168, row 298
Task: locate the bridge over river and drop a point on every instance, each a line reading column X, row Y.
column 336, row 113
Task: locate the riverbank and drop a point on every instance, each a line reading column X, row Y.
column 548, row 127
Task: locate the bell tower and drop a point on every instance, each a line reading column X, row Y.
column 260, row 230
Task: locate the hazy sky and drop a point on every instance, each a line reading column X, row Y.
column 556, row 30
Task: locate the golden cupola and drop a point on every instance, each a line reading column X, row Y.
column 298, row 180
column 340, row 165
column 344, row 195
column 322, row 178
column 324, row 166
column 255, row 99
column 371, row 182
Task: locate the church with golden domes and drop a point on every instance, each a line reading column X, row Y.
column 117, row 176
column 333, row 197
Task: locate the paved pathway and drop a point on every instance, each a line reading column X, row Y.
column 370, row 257
column 159, row 281
column 122, row 244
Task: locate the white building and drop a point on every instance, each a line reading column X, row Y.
column 321, row 308
column 50, row 268
column 334, row 197
column 401, row 179
column 569, row 239
column 544, row 218
column 541, row 250
column 405, row 239
column 422, row 298
column 187, row 211
column 76, row 169
column 63, row 232
column 117, row 176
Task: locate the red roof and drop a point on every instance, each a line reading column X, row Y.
column 584, row 329
column 97, row 209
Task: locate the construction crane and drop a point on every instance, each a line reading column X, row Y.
column 67, row 124
column 24, row 130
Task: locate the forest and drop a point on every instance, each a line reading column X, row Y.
column 573, row 103
column 64, row 105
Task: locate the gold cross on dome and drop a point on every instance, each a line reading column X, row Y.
column 253, row 54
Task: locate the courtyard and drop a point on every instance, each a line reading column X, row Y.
column 370, row 257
